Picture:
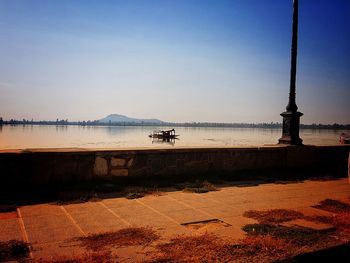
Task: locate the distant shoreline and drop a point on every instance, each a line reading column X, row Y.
column 171, row 124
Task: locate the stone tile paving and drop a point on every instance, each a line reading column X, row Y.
column 10, row 229
column 52, row 229
column 40, row 210
column 101, row 222
column 48, row 235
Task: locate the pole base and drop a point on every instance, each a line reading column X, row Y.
column 290, row 128
column 290, row 141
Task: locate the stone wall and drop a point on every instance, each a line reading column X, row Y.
column 349, row 167
column 64, row 165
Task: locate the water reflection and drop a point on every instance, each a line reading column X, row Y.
column 169, row 141
column 61, row 128
column 117, row 130
column 44, row 136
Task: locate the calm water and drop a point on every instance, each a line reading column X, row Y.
column 32, row 136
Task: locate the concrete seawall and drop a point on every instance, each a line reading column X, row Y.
column 38, row 167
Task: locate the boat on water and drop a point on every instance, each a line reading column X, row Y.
column 160, row 134
column 344, row 138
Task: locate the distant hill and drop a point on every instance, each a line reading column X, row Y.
column 117, row 118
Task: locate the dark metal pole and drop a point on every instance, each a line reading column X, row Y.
column 291, row 117
column 293, row 69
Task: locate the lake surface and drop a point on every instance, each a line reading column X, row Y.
column 48, row 136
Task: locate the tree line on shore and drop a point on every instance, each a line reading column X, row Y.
column 271, row 125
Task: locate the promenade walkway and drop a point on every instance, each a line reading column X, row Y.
column 51, row 228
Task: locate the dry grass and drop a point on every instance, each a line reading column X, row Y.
column 13, row 250
column 139, row 192
column 203, row 248
column 340, row 220
column 76, row 197
column 200, row 187
column 134, row 195
column 298, row 236
column 267, row 245
column 341, row 217
column 103, row 256
column 132, row 236
column 273, row 216
column 267, row 241
column 209, row 248
column 333, row 206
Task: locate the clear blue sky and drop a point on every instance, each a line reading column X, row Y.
column 191, row 60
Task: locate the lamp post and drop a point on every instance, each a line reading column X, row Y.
column 291, row 117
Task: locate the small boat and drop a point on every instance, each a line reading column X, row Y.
column 344, row 138
column 169, row 134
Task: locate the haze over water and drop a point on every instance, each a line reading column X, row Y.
column 33, row 136
column 178, row 61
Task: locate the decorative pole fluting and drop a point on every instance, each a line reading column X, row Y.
column 291, row 117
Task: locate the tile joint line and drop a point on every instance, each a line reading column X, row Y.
column 24, row 232
column 73, row 221
column 159, row 213
column 115, row 214
column 191, row 207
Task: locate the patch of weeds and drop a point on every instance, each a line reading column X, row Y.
column 210, row 248
column 134, row 195
column 299, row 236
column 326, row 177
column 77, row 197
column 333, row 206
column 200, row 187
column 155, row 191
column 273, row 215
column 258, row 229
column 199, row 190
column 289, row 181
column 139, row 192
column 102, row 256
column 135, row 192
column 268, row 245
column 340, row 220
column 202, row 248
column 341, row 217
column 132, row 236
column 251, row 183
column 13, row 250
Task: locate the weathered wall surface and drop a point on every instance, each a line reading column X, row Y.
column 62, row 165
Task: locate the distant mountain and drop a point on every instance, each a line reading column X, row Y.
column 117, row 118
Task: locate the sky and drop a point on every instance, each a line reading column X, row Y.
column 175, row 60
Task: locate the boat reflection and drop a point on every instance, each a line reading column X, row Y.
column 169, row 141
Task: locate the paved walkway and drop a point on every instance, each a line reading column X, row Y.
column 50, row 228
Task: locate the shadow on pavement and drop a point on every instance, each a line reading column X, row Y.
column 137, row 187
